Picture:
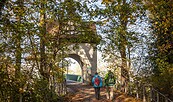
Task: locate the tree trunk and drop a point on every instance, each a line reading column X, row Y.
column 18, row 55
column 18, row 52
column 43, row 67
column 123, row 48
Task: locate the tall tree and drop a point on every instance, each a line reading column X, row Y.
column 30, row 47
column 19, row 33
column 42, row 24
column 12, row 24
column 161, row 49
column 119, row 15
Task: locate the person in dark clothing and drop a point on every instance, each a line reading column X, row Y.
column 97, row 84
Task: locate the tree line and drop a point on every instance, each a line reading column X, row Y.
column 136, row 32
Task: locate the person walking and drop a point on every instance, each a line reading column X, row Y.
column 97, row 84
column 109, row 83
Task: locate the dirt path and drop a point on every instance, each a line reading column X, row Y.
column 85, row 93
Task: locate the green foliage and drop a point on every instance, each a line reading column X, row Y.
column 25, row 87
column 118, row 19
column 33, row 52
column 30, row 52
column 11, row 88
column 161, row 50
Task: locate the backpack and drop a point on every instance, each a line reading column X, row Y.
column 97, row 81
column 111, row 78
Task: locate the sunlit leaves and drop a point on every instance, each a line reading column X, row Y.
column 161, row 24
column 118, row 15
column 160, row 12
column 107, row 1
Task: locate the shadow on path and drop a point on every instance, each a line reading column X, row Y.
column 84, row 93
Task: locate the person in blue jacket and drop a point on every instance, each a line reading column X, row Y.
column 97, row 84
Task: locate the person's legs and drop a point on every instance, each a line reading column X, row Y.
column 98, row 93
column 111, row 92
column 108, row 92
column 95, row 92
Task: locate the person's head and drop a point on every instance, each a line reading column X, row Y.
column 109, row 71
column 96, row 73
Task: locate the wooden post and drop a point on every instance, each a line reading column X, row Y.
column 144, row 98
column 137, row 95
column 166, row 100
column 20, row 97
column 157, row 97
column 151, row 96
column 65, row 87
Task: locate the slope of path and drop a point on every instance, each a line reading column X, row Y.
column 85, row 93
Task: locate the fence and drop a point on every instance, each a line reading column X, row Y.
column 146, row 93
column 61, row 88
column 158, row 97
